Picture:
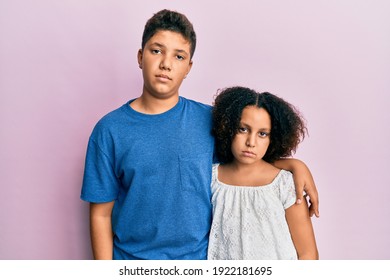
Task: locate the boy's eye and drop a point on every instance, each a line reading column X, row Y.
column 156, row 51
column 180, row 57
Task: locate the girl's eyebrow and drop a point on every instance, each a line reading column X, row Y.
column 267, row 129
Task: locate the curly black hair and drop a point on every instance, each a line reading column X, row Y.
column 288, row 127
column 171, row 21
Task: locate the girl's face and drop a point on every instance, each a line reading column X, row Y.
column 253, row 137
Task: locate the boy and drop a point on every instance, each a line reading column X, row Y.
column 148, row 165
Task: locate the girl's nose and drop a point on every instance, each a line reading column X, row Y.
column 250, row 141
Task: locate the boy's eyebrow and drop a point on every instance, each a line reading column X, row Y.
column 163, row 46
column 157, row 44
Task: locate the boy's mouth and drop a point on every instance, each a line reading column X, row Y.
column 164, row 77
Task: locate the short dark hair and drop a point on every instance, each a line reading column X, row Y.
column 172, row 21
column 288, row 127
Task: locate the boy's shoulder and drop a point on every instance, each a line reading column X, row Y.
column 197, row 104
column 123, row 113
column 111, row 118
column 115, row 113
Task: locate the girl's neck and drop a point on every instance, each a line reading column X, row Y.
column 257, row 174
column 239, row 167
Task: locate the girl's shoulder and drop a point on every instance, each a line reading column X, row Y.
column 214, row 172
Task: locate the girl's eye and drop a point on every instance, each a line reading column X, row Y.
column 263, row 134
column 242, row 129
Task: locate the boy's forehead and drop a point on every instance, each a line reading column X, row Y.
column 170, row 39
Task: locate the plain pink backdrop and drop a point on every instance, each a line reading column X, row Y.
column 64, row 64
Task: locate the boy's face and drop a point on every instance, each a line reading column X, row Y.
column 253, row 137
column 165, row 62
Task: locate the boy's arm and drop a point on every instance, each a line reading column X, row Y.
column 303, row 182
column 301, row 231
column 101, row 230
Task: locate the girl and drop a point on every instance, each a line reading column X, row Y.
column 254, row 215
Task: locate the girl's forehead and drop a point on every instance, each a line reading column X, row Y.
column 255, row 116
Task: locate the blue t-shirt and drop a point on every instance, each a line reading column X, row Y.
column 157, row 168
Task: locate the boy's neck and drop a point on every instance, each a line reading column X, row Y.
column 152, row 106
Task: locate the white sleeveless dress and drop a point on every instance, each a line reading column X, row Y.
column 249, row 222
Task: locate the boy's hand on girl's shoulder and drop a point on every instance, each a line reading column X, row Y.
column 312, row 197
column 304, row 182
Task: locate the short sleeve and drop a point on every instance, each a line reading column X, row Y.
column 100, row 183
column 287, row 189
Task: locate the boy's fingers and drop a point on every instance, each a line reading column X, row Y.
column 314, row 211
column 299, row 193
column 313, row 200
column 314, row 208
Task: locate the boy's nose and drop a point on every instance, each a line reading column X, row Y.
column 165, row 65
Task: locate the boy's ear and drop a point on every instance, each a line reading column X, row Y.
column 189, row 68
column 139, row 58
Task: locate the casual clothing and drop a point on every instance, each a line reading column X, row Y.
column 249, row 222
column 157, row 168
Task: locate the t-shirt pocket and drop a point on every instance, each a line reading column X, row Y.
column 195, row 171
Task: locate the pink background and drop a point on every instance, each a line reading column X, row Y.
column 64, row 64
